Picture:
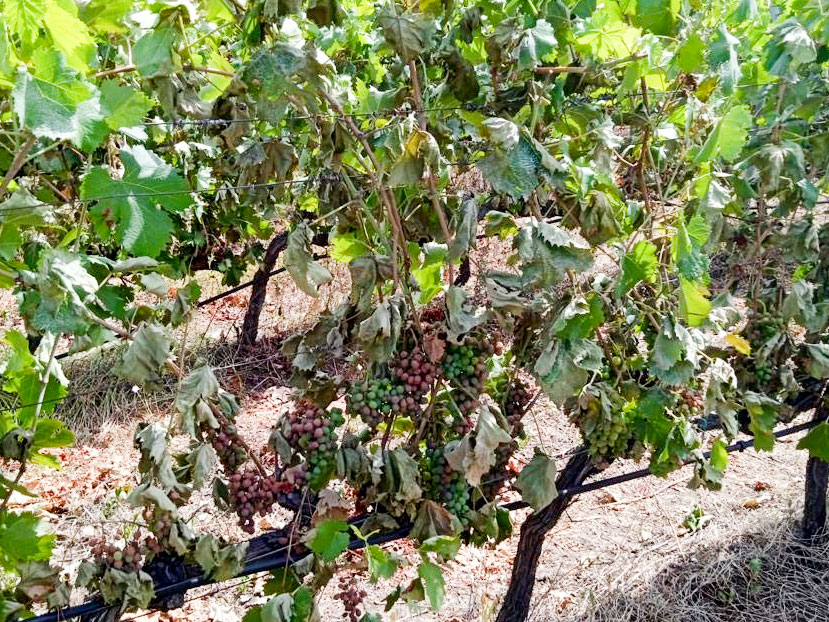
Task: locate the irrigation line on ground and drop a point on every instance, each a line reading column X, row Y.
column 277, row 558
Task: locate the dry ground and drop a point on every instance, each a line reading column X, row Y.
column 618, row 554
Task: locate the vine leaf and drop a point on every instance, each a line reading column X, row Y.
column 381, row 565
column 24, row 18
column 537, row 45
column 307, row 273
column 69, row 35
column 789, row 47
column 22, row 539
column 817, row 362
column 460, row 317
column 131, row 203
column 408, row 33
column 724, row 56
column 220, row 561
column 123, row 106
column 728, row 137
column 328, row 539
column 54, row 102
column 153, row 53
column 514, row 171
column 640, row 264
column 548, row 252
column 433, row 584
column 537, row 481
column 762, row 411
column 445, row 546
column 20, row 211
column 146, row 355
column 656, row 16
column 475, row 456
column 817, row 442
column 433, row 520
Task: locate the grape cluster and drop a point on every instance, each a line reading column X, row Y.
column 462, row 406
column 130, row 558
column 229, row 450
column 444, row 484
column 415, row 372
column 250, row 493
column 374, row 399
column 606, row 436
column 351, row 597
column 762, row 372
column 312, row 430
column 465, row 364
column 515, row 404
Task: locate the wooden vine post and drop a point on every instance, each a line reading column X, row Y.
column 814, row 506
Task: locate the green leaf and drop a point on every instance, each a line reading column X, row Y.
column 656, row 16
column 789, row 47
column 381, row 565
column 690, row 54
column 70, row 36
column 537, row 45
column 346, row 247
column 537, row 481
column 24, row 17
column 22, row 539
column 329, row 539
column 729, row 137
column 123, row 106
column 51, row 433
column 128, row 208
column 307, row 273
column 640, row 264
column 146, row 355
column 446, row 546
column 763, row 412
column 18, row 213
column 694, row 305
column 55, row 102
column 817, row 442
column 433, row 584
column 724, row 56
column 606, row 36
column 153, row 53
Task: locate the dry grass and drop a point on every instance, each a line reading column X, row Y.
column 759, row 576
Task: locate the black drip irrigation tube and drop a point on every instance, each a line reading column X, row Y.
column 282, row 557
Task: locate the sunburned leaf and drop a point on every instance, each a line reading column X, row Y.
column 128, row 207
column 329, row 539
column 537, row 481
column 817, row 361
column 433, row 520
column 513, row 172
column 738, row 343
column 474, row 458
column 18, row 213
column 307, row 273
column 146, row 355
column 408, row 33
